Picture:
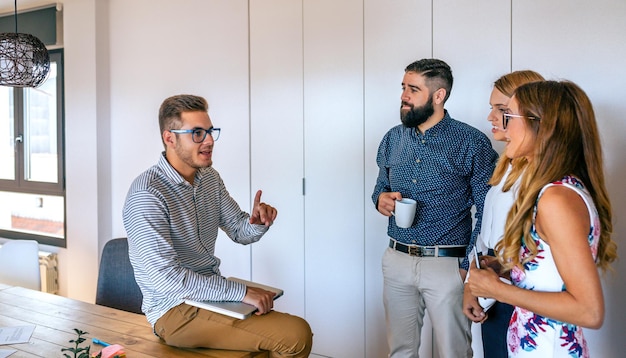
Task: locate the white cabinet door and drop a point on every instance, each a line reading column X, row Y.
column 333, row 165
column 277, row 166
column 315, row 249
column 396, row 34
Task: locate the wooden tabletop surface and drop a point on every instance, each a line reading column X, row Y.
column 55, row 318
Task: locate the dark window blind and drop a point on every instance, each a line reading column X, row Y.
column 40, row 23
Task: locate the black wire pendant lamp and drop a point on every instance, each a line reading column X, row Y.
column 24, row 59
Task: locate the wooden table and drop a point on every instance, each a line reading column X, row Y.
column 56, row 317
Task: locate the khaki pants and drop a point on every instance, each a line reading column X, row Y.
column 281, row 334
column 415, row 284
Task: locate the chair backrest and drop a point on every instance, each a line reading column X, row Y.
column 19, row 264
column 117, row 287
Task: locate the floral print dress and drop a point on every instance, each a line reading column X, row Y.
column 532, row 335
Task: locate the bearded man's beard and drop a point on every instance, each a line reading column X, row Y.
column 417, row 115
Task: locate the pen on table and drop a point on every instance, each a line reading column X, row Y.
column 97, row 341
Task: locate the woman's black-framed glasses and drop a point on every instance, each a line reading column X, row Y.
column 507, row 116
column 198, row 135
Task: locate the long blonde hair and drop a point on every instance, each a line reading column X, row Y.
column 566, row 143
column 506, row 85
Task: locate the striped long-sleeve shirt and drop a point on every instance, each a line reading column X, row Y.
column 172, row 228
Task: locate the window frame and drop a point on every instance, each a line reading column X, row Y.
column 19, row 184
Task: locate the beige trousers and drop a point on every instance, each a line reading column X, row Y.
column 413, row 285
column 281, row 334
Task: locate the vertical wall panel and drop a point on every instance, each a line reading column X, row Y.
column 82, row 184
column 584, row 42
column 474, row 38
column 333, row 117
column 277, row 166
column 396, row 34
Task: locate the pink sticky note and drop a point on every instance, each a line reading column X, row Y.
column 112, row 351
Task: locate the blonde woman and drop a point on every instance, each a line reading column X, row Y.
column 498, row 202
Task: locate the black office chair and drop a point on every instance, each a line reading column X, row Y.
column 117, row 287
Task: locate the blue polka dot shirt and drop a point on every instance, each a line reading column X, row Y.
column 446, row 170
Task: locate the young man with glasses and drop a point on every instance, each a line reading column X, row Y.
column 172, row 215
column 444, row 165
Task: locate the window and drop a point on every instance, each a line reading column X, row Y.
column 32, row 175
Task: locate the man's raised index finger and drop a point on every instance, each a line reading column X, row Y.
column 257, row 198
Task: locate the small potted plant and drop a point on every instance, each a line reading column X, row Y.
column 77, row 350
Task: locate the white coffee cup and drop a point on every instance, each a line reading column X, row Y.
column 405, row 212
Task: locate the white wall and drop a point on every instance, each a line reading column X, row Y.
column 565, row 41
column 307, row 89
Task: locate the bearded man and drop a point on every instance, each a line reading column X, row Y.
column 444, row 165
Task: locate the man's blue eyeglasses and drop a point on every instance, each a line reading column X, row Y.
column 198, row 135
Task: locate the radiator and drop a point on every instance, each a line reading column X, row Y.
column 48, row 265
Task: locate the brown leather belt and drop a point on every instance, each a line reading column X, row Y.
column 428, row 251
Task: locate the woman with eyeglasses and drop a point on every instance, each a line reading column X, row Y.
column 558, row 232
column 498, row 201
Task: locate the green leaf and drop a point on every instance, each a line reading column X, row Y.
column 79, row 352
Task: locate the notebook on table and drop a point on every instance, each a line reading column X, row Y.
column 238, row 310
